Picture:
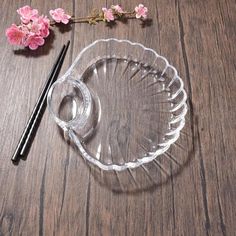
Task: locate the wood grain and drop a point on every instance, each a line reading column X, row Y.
column 189, row 191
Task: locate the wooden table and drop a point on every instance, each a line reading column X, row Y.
column 189, row 191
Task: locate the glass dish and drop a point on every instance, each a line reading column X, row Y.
column 121, row 103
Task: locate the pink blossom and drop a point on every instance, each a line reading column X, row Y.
column 59, row 15
column 141, row 11
column 117, row 8
column 108, row 14
column 43, row 24
column 15, row 35
column 33, row 41
column 27, row 13
column 31, row 34
column 34, row 27
column 24, row 28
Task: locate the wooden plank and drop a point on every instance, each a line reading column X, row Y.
column 31, row 194
column 202, row 44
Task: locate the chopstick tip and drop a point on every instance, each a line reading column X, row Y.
column 68, row 43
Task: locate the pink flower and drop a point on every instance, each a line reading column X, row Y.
column 117, row 8
column 108, row 14
column 141, row 11
column 33, row 41
column 59, row 15
column 34, row 27
column 31, row 34
column 15, row 35
column 27, row 13
column 43, row 24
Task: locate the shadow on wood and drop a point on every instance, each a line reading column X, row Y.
column 44, row 50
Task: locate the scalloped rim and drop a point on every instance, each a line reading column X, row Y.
column 178, row 119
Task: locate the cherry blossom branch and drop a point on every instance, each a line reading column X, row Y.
column 96, row 19
column 34, row 28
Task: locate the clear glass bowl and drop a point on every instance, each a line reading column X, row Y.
column 121, row 103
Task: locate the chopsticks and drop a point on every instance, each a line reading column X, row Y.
column 37, row 113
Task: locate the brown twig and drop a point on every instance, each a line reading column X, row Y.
column 97, row 17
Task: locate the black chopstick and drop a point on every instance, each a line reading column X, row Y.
column 36, row 115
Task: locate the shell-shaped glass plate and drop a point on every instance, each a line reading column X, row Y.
column 137, row 104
